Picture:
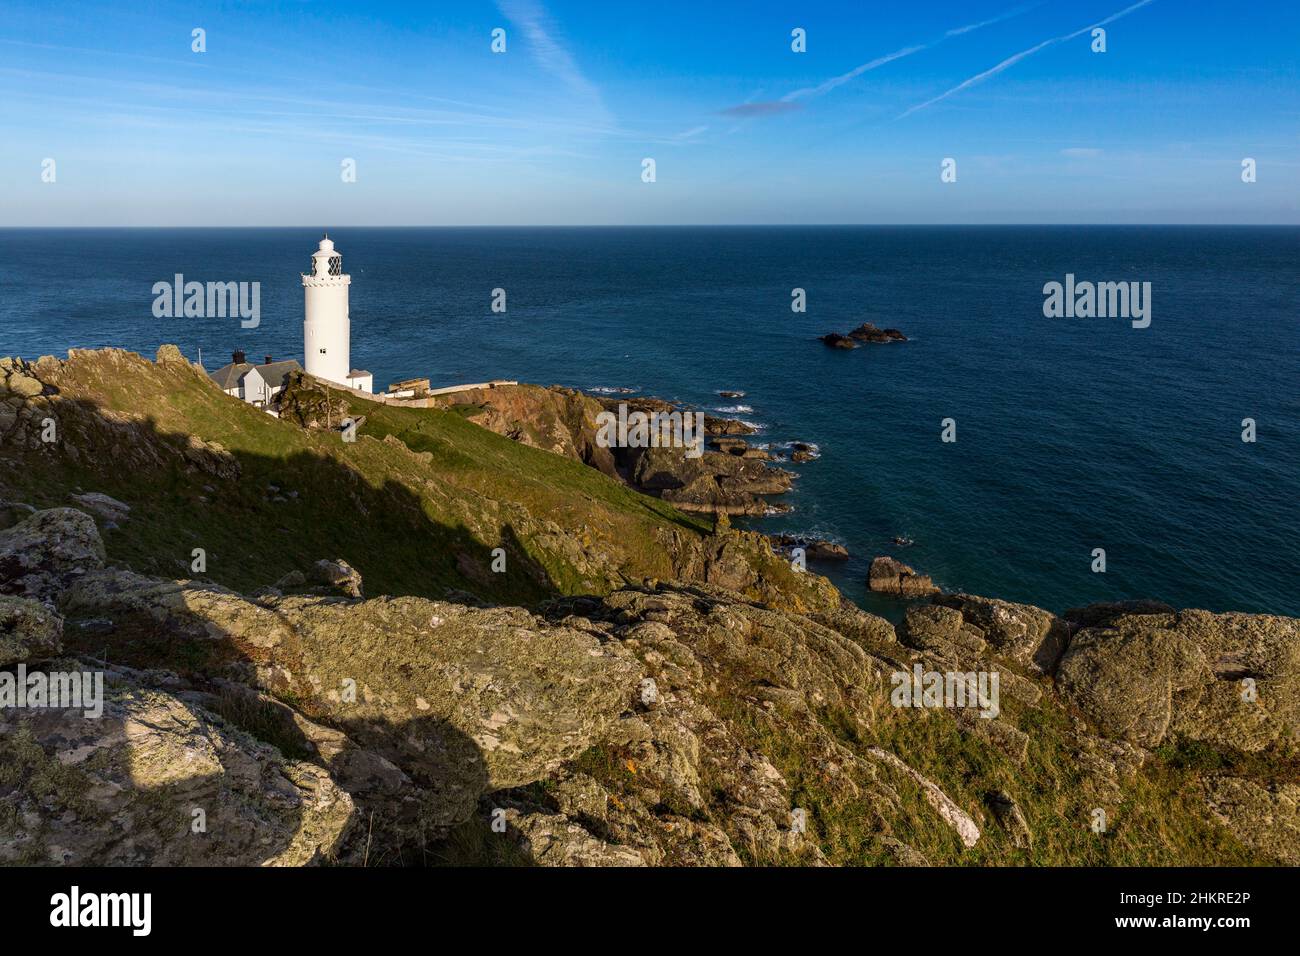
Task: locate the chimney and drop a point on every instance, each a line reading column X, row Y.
column 238, row 357
column 268, row 360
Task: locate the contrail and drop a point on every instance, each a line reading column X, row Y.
column 857, row 71
column 1016, row 58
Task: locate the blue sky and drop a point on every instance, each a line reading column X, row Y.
column 742, row 129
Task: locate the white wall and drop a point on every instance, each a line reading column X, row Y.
column 326, row 326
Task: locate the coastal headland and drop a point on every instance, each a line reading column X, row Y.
column 371, row 634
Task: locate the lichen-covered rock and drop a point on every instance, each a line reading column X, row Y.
column 157, row 782
column 463, row 699
column 28, row 631
column 1022, row 632
column 1228, row 679
column 686, row 785
column 42, row 553
column 339, row 575
column 1011, row 818
column 552, row 839
column 1129, row 684
column 942, row 631
column 190, row 609
column 1264, row 817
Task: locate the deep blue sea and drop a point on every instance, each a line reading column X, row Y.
column 1072, row 434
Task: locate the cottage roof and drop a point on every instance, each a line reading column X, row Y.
column 277, row 372
column 229, row 376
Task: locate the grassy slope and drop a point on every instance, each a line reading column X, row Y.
column 409, row 525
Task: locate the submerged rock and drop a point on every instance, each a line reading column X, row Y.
column 867, row 332
column 835, row 340
column 815, row 549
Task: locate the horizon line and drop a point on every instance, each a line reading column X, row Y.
column 709, row 225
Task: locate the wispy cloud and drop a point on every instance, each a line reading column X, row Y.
column 1017, row 57
column 857, row 71
column 767, row 108
column 532, row 20
column 1015, row 12
column 807, row 92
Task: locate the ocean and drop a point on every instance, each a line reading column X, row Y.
column 1072, row 433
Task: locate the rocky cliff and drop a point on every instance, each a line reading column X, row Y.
column 635, row 689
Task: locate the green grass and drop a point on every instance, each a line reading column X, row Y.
column 411, row 523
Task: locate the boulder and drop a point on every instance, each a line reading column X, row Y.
column 942, row 631
column 158, row 782
column 552, row 839
column 1228, row 679
column 24, row 386
column 42, row 553
column 713, row 482
column 727, row 426
column 1022, row 632
column 339, row 575
column 1011, row 818
column 463, row 699
column 1129, row 684
column 891, row 576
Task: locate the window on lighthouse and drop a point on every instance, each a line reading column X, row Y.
column 336, row 265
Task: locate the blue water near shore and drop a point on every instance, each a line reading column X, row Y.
column 1073, row 434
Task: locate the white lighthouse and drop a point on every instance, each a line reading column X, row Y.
column 326, row 328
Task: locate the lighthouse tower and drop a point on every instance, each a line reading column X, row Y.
column 326, row 330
